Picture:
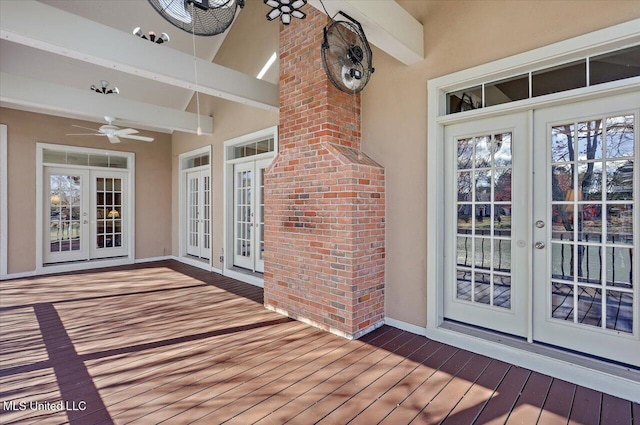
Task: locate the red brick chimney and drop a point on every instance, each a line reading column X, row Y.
column 324, row 198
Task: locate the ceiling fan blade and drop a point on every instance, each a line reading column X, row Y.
column 143, row 138
column 125, row 131
column 86, row 128
column 113, row 139
column 85, row 134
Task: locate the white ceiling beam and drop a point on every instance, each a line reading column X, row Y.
column 386, row 24
column 21, row 92
column 44, row 27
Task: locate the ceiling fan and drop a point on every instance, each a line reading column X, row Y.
column 113, row 133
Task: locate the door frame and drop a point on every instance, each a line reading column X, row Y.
column 39, row 224
column 602, row 376
column 182, row 205
column 228, row 180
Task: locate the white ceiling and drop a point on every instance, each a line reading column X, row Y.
column 122, row 15
column 54, row 66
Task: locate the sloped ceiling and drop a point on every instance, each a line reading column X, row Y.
column 92, row 57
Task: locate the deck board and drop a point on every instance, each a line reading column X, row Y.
column 168, row 343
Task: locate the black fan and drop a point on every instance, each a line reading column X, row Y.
column 346, row 55
column 200, row 17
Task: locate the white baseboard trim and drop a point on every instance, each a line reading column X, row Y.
column 18, row 275
column 245, row 277
column 610, row 379
column 198, row 264
column 152, row 259
column 414, row 329
column 86, row 265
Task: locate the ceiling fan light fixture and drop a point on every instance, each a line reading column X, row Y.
column 285, row 9
column 137, row 31
column 103, row 88
column 273, row 14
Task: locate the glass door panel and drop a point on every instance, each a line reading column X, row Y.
column 486, row 278
column 109, row 214
column 193, row 214
column 205, row 178
column 261, row 166
column 199, row 214
column 66, row 221
column 243, row 203
column 587, row 191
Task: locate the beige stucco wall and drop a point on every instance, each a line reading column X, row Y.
column 153, row 178
column 458, row 35
column 249, row 44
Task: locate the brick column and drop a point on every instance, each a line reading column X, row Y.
column 324, row 198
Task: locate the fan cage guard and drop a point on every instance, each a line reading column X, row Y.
column 190, row 18
column 346, row 36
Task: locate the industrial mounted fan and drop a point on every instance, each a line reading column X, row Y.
column 113, row 133
column 346, row 55
column 199, row 17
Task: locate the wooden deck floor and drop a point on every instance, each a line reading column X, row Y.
column 168, row 343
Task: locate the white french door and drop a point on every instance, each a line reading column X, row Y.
column 585, row 283
column 66, row 204
column 198, row 213
column 85, row 214
column 248, row 214
column 486, row 271
column 108, row 216
column 553, row 214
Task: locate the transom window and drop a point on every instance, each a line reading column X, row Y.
column 256, row 147
column 107, row 160
column 589, row 71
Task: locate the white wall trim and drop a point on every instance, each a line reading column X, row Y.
column 527, row 355
column 40, row 165
column 199, row 264
column 4, row 199
column 84, row 265
column 154, row 259
column 399, row 324
column 20, row 275
column 227, row 192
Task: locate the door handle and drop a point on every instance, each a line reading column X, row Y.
column 539, row 245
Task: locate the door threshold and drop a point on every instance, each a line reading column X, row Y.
column 244, row 275
column 601, row 375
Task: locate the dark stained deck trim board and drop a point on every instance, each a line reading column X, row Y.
column 169, row 343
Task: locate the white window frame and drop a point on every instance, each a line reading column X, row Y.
column 182, row 195
column 590, row 373
column 129, row 210
column 227, row 265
